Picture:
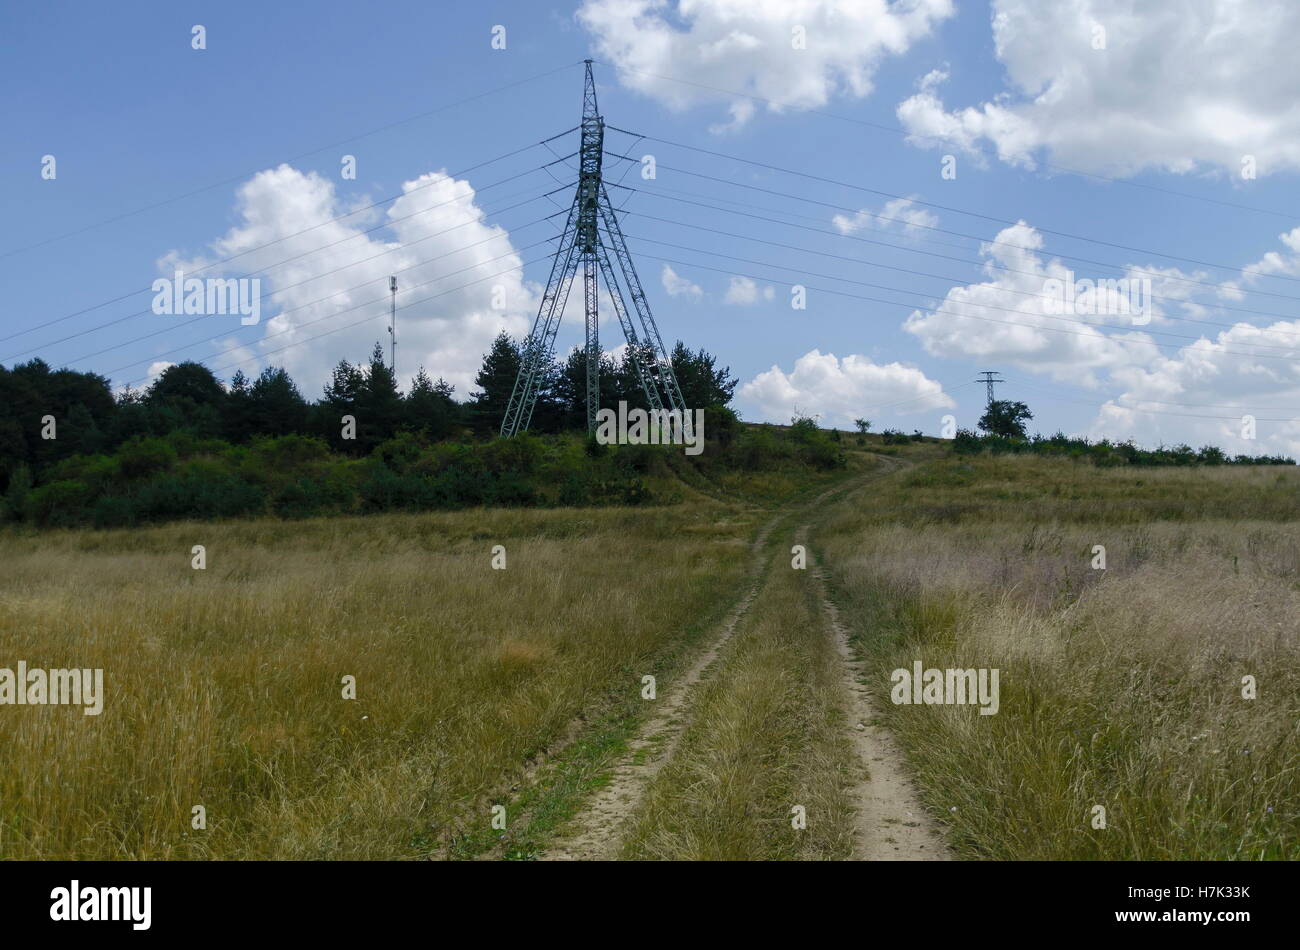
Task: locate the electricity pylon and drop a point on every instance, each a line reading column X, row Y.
column 987, row 377
column 591, row 233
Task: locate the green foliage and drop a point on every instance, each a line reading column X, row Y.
column 141, row 457
column 1103, row 453
column 1006, row 419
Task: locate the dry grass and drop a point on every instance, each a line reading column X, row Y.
column 1120, row 688
column 224, row 686
column 767, row 732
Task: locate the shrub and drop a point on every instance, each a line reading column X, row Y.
column 59, row 503
column 143, row 456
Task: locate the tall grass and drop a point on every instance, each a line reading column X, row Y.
column 224, row 686
column 767, row 733
column 1120, row 688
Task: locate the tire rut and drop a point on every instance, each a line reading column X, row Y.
column 891, row 823
column 598, row 829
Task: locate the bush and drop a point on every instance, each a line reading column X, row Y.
column 196, row 496
column 289, row 452
column 307, row 497
column 142, row 456
column 20, row 485
column 59, row 503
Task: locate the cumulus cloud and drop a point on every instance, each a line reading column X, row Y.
column 742, row 291
column 1139, row 102
column 1277, row 263
column 840, row 391
column 460, row 279
column 1196, row 393
column 755, row 47
column 678, row 286
column 902, row 214
column 1007, row 318
column 1200, row 394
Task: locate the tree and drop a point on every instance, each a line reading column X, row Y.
column 340, row 399
column 1006, row 418
column 186, row 381
column 495, row 381
column 864, row 425
column 274, row 404
column 236, row 420
column 379, row 403
column 569, row 389
column 186, row 396
column 701, row 382
column 429, row 407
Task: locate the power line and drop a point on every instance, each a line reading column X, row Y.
column 984, row 306
column 294, row 158
column 943, row 277
column 975, row 214
column 941, row 140
column 893, row 246
column 269, row 294
column 314, row 227
column 1019, row 247
column 357, row 323
column 893, row 303
column 312, row 303
column 1161, row 402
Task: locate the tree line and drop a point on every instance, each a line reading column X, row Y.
column 48, row 415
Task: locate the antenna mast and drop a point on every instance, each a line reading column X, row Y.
column 392, row 325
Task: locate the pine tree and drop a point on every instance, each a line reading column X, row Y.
column 495, row 382
column 380, row 402
column 429, row 407
column 275, row 406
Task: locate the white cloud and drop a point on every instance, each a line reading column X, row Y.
column 1213, row 379
column 748, row 46
column 1147, row 100
column 138, row 386
column 742, row 291
column 842, row 390
column 898, row 213
column 1277, row 263
column 679, row 286
column 437, row 242
column 1153, row 397
column 1004, row 319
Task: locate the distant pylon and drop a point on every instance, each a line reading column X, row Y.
column 591, row 233
column 987, row 377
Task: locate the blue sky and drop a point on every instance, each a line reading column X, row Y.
column 168, row 154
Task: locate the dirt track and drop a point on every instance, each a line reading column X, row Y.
column 890, row 825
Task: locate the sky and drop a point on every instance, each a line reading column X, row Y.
column 858, row 206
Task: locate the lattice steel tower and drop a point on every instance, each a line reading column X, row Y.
column 987, row 377
column 591, row 233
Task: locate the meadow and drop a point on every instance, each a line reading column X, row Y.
column 1123, row 688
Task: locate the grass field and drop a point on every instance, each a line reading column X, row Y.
column 522, row 687
column 1121, row 688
